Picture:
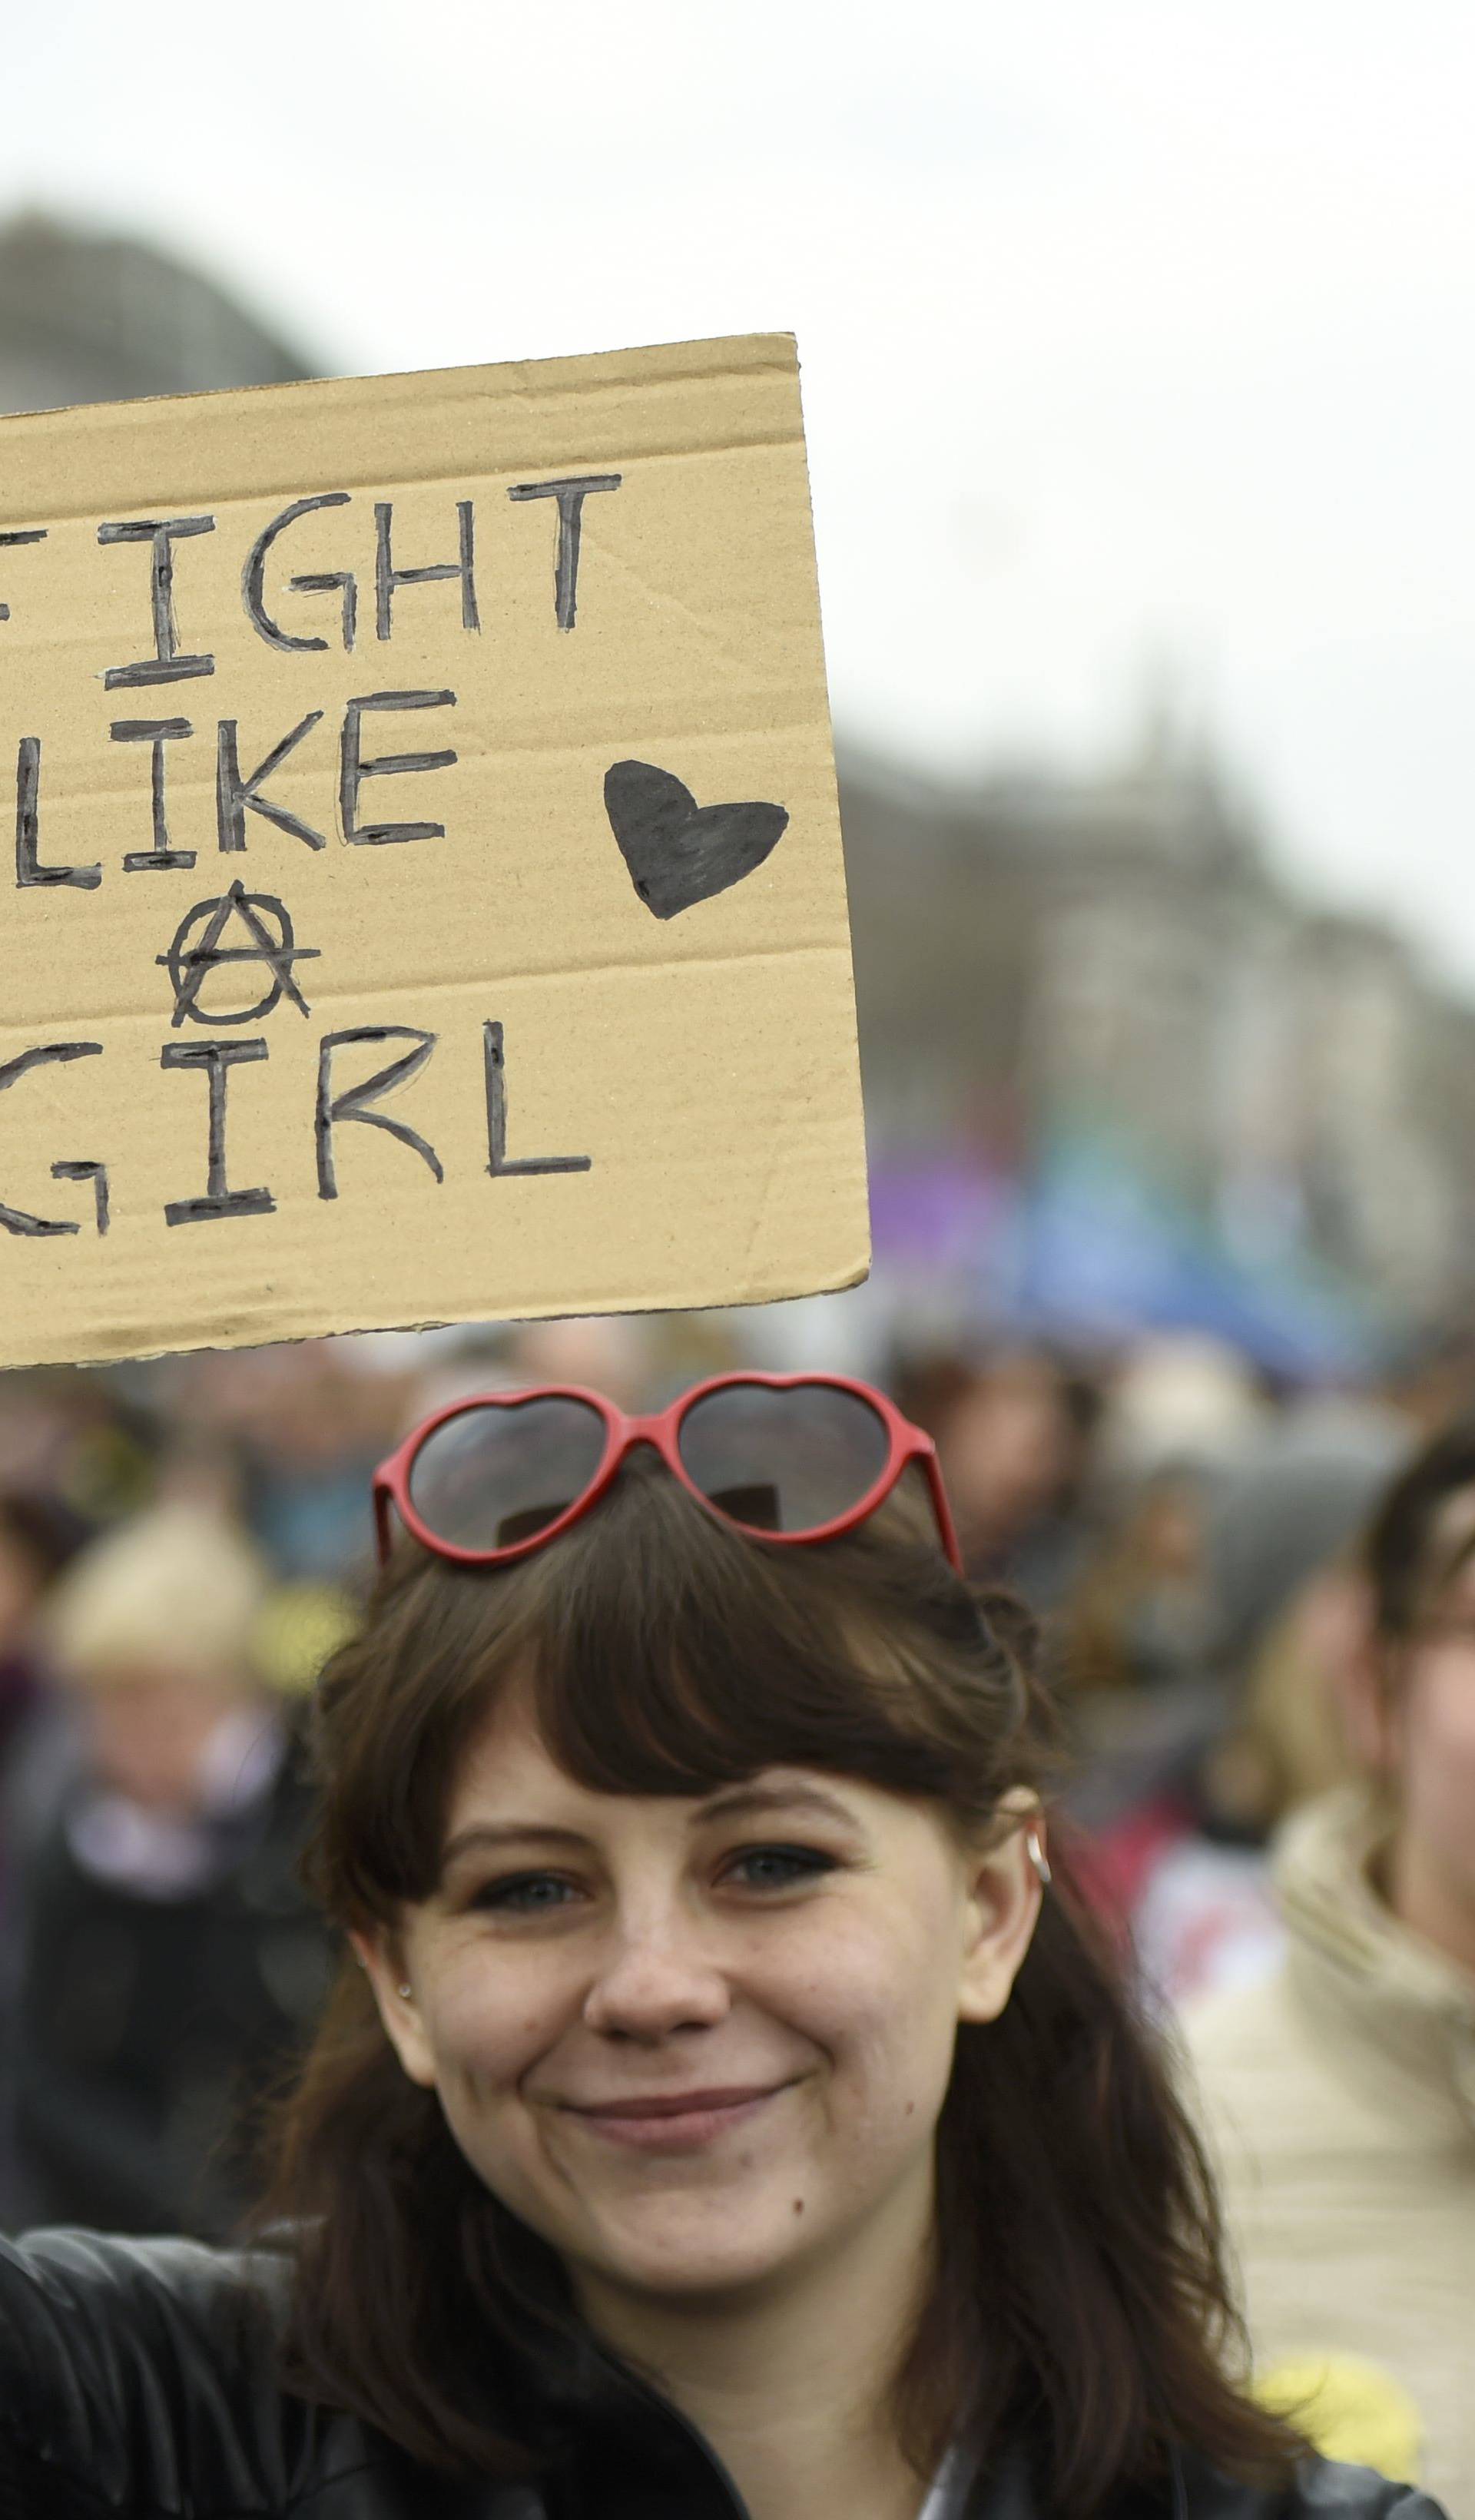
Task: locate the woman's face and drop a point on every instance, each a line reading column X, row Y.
column 147, row 1733
column 693, row 2042
column 1433, row 1726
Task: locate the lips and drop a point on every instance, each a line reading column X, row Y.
column 674, row 2104
column 673, row 2122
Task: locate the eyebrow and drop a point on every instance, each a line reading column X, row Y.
column 740, row 1802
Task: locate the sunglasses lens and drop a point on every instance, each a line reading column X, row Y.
column 504, row 1470
column 784, row 1460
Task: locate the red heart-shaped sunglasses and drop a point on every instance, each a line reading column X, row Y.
column 782, row 1456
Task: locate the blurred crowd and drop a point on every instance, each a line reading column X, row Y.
column 1258, row 1608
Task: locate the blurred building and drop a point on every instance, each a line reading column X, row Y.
column 87, row 317
column 1107, row 975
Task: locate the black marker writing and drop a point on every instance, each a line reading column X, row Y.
column 193, row 956
column 215, row 1056
column 330, row 582
column 97, row 1174
column 235, row 797
column 12, row 542
column 570, row 495
column 17, row 1220
column 499, row 1163
column 386, row 577
column 354, row 769
column 157, row 731
column 167, row 664
column 352, row 1102
column 28, row 867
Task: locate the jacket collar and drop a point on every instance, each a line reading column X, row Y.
column 621, row 2451
column 1405, row 2012
column 608, row 2444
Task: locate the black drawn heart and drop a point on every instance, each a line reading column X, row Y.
column 679, row 852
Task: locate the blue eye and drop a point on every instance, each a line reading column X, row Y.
column 754, row 1867
column 523, row 1894
column 779, row 1867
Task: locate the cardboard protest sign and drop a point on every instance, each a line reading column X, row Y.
column 427, row 899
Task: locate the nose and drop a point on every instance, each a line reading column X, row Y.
column 656, row 1979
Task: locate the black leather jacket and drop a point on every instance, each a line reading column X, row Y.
column 137, row 2380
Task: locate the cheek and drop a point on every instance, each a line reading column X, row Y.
column 490, row 2019
column 1439, row 1752
column 879, row 2003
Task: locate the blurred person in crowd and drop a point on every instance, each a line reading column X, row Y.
column 38, row 1538
column 609, row 1352
column 1177, row 1414
column 87, row 1440
column 1184, row 1785
column 1132, row 1636
column 1433, row 1383
column 1013, row 1434
column 302, row 1425
column 1143, row 1705
column 1136, row 1618
column 170, row 1960
column 1192, row 1870
column 618, row 1353
column 1290, row 1505
column 1289, row 1740
column 1177, row 1399
column 639, row 1360
column 1340, row 2091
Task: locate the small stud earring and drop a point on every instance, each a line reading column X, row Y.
column 1038, row 1857
column 404, row 1991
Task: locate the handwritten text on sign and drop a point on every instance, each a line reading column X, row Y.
column 422, row 732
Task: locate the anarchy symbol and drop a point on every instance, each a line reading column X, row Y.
column 194, row 955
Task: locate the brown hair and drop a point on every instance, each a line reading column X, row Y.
column 1079, row 2304
column 1408, row 1572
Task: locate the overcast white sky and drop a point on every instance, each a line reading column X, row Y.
column 1138, row 336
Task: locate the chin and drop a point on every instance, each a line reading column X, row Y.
column 681, row 2254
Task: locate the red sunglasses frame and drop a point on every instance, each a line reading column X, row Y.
column 906, row 1444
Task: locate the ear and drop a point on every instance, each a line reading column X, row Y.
column 1004, row 1893
column 380, row 1956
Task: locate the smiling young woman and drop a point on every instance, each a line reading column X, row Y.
column 717, row 2113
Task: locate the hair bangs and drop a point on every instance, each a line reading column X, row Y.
column 675, row 1655
column 663, row 1652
